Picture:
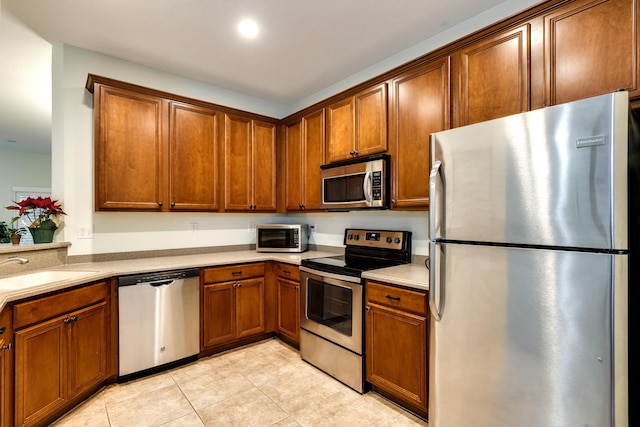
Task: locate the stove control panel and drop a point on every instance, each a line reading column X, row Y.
column 383, row 239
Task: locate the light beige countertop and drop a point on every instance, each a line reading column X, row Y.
column 411, row 275
column 38, row 282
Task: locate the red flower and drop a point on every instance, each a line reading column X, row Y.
column 38, row 209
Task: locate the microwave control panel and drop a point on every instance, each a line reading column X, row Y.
column 376, row 185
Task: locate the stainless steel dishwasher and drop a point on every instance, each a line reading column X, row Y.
column 158, row 321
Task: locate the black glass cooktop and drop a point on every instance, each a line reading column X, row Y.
column 366, row 250
column 346, row 265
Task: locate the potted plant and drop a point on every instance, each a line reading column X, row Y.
column 43, row 214
column 15, row 234
column 5, row 237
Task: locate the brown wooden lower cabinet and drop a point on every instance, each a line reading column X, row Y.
column 396, row 344
column 288, row 311
column 58, row 359
column 232, row 303
column 6, row 369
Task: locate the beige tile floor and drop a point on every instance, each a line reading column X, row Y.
column 264, row 384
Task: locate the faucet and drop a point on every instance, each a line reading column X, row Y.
column 15, row 258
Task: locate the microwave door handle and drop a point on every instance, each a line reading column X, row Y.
column 366, row 187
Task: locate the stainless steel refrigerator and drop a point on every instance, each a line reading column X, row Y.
column 533, row 232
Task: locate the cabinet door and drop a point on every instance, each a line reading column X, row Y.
column 218, row 313
column 129, row 143
column 492, row 77
column 591, row 48
column 371, row 121
column 289, row 308
column 263, row 166
column 340, row 142
column 87, row 352
column 193, row 158
column 294, row 166
column 237, row 164
column 40, row 370
column 396, row 361
column 304, row 154
column 419, row 105
column 249, row 302
column 6, row 369
column 312, row 159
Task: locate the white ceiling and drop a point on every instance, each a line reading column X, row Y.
column 303, row 47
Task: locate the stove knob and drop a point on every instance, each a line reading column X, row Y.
column 356, row 237
column 349, row 237
column 389, row 239
column 397, row 240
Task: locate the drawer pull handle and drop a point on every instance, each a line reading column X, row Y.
column 393, row 298
column 70, row 320
column 286, row 271
column 236, row 273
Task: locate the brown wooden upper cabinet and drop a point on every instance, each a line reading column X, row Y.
column 418, row 106
column 591, row 48
column 304, row 153
column 193, row 157
column 153, row 154
column 492, row 77
column 357, row 125
column 249, row 164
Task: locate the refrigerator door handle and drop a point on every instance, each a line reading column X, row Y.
column 435, row 192
column 434, row 281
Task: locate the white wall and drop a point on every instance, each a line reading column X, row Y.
column 13, row 173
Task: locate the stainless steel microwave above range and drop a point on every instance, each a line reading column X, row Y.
column 282, row 237
column 356, row 183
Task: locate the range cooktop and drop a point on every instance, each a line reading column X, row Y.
column 366, row 250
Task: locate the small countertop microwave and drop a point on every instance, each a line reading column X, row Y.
column 361, row 183
column 282, row 237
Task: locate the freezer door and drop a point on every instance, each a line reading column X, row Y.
column 550, row 177
column 525, row 338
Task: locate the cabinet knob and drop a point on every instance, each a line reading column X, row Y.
column 6, row 346
column 355, row 153
column 393, row 201
column 70, row 320
column 173, row 204
column 160, row 204
column 2, row 329
column 367, row 308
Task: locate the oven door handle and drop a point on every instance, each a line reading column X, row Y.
column 325, row 274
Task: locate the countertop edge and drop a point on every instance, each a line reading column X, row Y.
column 404, row 275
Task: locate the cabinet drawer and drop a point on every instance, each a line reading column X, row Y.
column 287, row 271
column 233, row 272
column 41, row 309
column 400, row 298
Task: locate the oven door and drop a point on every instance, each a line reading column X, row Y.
column 331, row 307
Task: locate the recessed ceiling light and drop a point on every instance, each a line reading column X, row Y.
column 248, row 28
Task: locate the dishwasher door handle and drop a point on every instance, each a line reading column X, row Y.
column 161, row 283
